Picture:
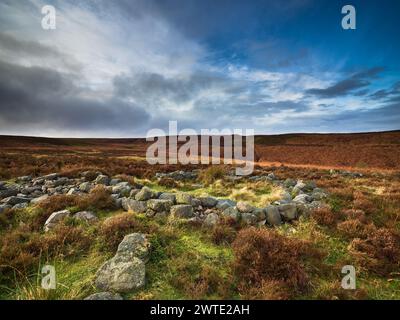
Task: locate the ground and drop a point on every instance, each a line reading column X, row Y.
column 187, row 261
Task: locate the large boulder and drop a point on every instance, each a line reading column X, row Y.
column 39, row 199
column 273, row 216
column 104, row 296
column 121, row 274
column 159, row 205
column 8, row 192
column 259, row 213
column 288, row 211
column 55, row 218
column 182, row 211
column 208, row 202
column 144, row 194
column 134, row 245
column 183, row 198
column 134, row 205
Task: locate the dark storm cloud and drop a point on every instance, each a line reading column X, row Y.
column 39, row 97
column 344, row 87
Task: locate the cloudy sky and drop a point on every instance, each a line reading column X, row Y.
column 119, row 68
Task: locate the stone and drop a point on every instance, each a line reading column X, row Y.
column 9, row 192
column 114, row 182
column 39, row 199
column 259, row 213
column 273, row 216
column 144, row 194
column 224, row 204
column 168, row 196
column 85, row 186
column 121, row 275
column 300, row 185
column 134, row 205
column 87, row 216
column 303, row 198
column 286, row 196
column 196, row 202
column 183, row 198
column 159, row 205
column 244, row 207
column 55, row 218
column 232, row 212
column 134, row 245
column 12, row 201
column 51, row 176
column 102, row 179
column 271, row 176
column 211, row 220
column 208, row 202
column 289, row 183
column 104, row 296
column 288, row 211
column 182, row 211
column 24, row 179
column 19, row 206
column 249, row 218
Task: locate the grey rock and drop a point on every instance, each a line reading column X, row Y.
column 224, row 204
column 114, row 182
column 168, row 196
column 12, row 201
column 233, row 213
column 159, row 205
column 288, row 211
column 303, row 198
column 249, row 218
column 182, row 211
column 273, row 216
column 144, row 194
column 121, row 275
column 24, row 179
column 55, row 218
column 208, row 202
column 134, row 245
column 104, row 296
column 211, row 220
column 259, row 213
column 289, row 183
column 51, row 176
column 20, row 206
column 244, row 207
column 87, row 216
column 134, row 205
column 39, row 199
column 9, row 192
column 85, row 186
column 102, row 179
column 184, row 198
column 133, row 193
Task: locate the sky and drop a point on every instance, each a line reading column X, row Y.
column 121, row 68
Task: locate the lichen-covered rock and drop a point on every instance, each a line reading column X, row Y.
column 85, row 186
column 12, row 201
column 159, row 205
column 144, row 194
column 259, row 213
column 288, row 211
column 208, row 202
column 225, row 203
column 183, row 198
column 102, row 179
column 233, row 213
column 249, row 218
column 303, row 198
column 120, row 274
column 273, row 216
column 134, row 205
column 182, row 211
column 168, row 196
column 87, row 216
column 55, row 218
column 134, row 245
column 211, row 220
